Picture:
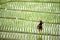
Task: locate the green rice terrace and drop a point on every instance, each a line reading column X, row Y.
column 19, row 19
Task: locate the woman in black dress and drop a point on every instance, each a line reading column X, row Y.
column 40, row 26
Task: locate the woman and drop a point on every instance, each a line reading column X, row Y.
column 39, row 27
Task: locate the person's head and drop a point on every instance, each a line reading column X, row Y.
column 40, row 21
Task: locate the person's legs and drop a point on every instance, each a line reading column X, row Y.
column 40, row 30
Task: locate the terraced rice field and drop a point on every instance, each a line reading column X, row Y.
column 19, row 19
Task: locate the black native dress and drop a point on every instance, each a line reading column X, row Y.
column 40, row 26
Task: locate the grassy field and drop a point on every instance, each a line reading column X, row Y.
column 19, row 19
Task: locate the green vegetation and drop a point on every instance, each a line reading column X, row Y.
column 23, row 16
